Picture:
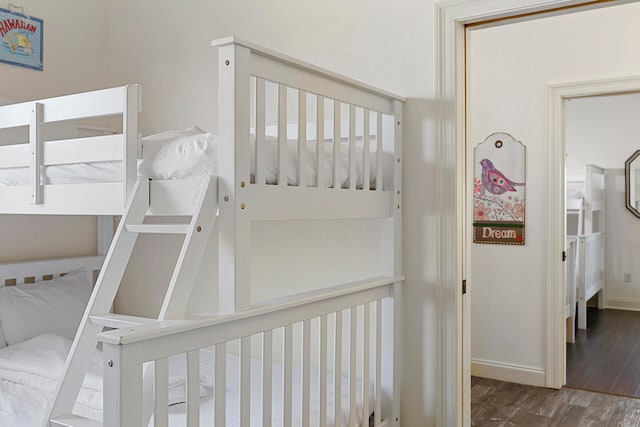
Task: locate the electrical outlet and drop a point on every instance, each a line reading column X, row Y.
column 627, row 277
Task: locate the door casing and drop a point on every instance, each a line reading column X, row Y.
column 451, row 16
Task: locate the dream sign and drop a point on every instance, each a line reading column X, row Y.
column 498, row 191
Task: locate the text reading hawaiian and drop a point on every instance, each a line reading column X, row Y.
column 15, row 24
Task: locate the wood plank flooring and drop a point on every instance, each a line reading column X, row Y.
column 606, row 356
column 498, row 403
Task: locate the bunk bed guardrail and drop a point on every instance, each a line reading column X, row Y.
column 36, row 153
column 366, row 311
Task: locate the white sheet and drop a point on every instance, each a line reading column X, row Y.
column 29, row 375
column 79, row 173
column 575, row 190
column 192, row 160
column 177, row 416
column 30, row 371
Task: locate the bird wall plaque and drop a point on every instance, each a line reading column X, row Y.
column 499, row 191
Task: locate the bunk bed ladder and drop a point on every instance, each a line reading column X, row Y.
column 98, row 316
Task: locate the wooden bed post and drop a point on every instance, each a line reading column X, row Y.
column 397, row 262
column 233, row 176
column 391, row 310
column 36, row 147
column 133, row 104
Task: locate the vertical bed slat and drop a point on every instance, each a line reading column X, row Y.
column 306, row 372
column 323, row 407
column 267, row 380
column 353, row 343
column 245, row 381
column 378, row 410
column 302, row 138
column 282, row 135
column 221, row 385
column 337, row 166
column 379, row 152
column 320, row 178
column 260, row 123
column 337, row 381
column 133, row 96
column 36, row 147
column 161, row 401
column 352, row 147
column 366, row 174
column 365, row 366
column 288, row 375
column 193, row 388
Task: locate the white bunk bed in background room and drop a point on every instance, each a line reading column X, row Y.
column 570, row 297
column 586, row 222
column 325, row 357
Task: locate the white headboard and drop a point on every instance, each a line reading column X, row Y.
column 32, row 271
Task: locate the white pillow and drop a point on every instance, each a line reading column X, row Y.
column 151, row 144
column 178, row 155
column 54, row 306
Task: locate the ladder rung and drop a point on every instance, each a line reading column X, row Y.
column 158, row 228
column 70, row 420
column 117, row 321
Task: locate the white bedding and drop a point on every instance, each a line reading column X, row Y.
column 29, row 375
column 575, row 190
column 30, row 371
column 79, row 173
column 192, row 155
column 177, row 412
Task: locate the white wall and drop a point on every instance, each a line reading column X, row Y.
column 622, row 246
column 510, row 67
column 604, row 130
column 165, row 47
column 74, row 60
column 601, row 130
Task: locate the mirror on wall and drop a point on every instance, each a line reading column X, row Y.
column 632, row 183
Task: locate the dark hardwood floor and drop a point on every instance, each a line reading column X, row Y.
column 498, row 403
column 603, row 365
column 606, row 356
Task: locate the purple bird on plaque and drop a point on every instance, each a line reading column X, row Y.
column 498, row 192
column 494, row 181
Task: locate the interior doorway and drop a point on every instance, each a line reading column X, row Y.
column 527, row 308
column 453, row 406
column 601, row 134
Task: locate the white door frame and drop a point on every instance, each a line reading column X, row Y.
column 558, row 94
column 451, row 16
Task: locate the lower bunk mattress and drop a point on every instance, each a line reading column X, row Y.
column 30, row 371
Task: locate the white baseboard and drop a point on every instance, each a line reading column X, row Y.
column 508, row 372
column 632, row 304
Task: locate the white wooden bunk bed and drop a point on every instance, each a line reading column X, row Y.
column 325, row 357
column 585, row 221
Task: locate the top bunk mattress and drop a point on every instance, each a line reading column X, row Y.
column 192, row 153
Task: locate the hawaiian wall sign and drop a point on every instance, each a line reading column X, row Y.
column 20, row 39
column 499, row 191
